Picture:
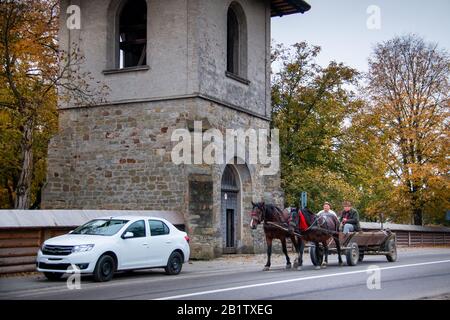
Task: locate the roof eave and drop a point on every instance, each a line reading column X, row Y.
column 299, row 6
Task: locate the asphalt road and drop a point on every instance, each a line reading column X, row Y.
column 418, row 273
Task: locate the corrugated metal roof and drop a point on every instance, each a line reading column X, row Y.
column 285, row 7
column 404, row 227
column 73, row 218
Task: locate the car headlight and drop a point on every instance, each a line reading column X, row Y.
column 83, row 248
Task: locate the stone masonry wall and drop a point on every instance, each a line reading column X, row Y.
column 118, row 157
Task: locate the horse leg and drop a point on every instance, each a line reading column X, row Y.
column 325, row 254
column 296, row 246
column 269, row 253
column 288, row 261
column 338, row 248
column 301, row 248
column 318, row 250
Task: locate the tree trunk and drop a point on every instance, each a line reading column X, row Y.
column 26, row 173
column 417, row 216
column 416, row 203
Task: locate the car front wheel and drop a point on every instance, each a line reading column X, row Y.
column 104, row 269
column 174, row 264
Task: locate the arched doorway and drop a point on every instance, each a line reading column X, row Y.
column 230, row 195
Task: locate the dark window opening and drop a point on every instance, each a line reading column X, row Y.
column 133, row 34
column 232, row 42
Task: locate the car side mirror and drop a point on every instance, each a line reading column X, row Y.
column 128, row 235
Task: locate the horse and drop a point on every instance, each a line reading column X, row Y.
column 264, row 213
column 316, row 229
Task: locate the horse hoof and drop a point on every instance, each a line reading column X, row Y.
column 324, row 266
column 288, row 266
column 266, row 269
column 299, row 268
column 295, row 265
column 317, row 268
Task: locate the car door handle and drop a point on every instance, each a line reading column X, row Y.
column 145, row 244
column 168, row 241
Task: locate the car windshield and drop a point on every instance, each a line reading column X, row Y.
column 101, row 227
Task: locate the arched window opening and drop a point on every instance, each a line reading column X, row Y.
column 229, row 181
column 232, row 42
column 236, row 41
column 133, row 34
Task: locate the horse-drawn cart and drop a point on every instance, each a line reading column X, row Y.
column 355, row 245
column 322, row 233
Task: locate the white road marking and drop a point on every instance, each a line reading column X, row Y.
column 85, row 286
column 294, row 280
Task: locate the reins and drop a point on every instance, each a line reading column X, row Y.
column 299, row 233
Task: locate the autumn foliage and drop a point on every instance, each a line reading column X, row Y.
column 379, row 139
column 34, row 75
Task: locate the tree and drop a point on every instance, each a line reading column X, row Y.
column 407, row 114
column 34, row 74
column 311, row 107
column 362, row 152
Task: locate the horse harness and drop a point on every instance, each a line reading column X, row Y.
column 285, row 228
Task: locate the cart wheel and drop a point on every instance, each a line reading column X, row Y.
column 361, row 255
column 352, row 254
column 316, row 254
column 392, row 249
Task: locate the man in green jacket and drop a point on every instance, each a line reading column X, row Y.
column 349, row 218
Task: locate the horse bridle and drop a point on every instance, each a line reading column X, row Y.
column 261, row 218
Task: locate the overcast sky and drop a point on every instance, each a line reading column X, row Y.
column 340, row 26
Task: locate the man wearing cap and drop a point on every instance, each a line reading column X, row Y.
column 349, row 218
column 326, row 210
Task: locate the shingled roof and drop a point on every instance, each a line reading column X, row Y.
column 285, row 7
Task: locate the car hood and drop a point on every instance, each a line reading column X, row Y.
column 76, row 239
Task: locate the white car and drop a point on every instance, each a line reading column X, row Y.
column 105, row 245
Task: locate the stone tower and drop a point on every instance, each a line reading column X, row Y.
column 168, row 63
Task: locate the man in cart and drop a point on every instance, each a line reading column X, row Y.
column 326, row 210
column 349, row 218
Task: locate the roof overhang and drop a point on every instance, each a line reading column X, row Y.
column 285, row 7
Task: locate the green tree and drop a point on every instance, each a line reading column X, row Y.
column 312, row 106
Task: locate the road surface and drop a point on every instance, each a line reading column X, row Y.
column 418, row 273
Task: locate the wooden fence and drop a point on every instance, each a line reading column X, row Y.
column 416, row 238
column 19, row 247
